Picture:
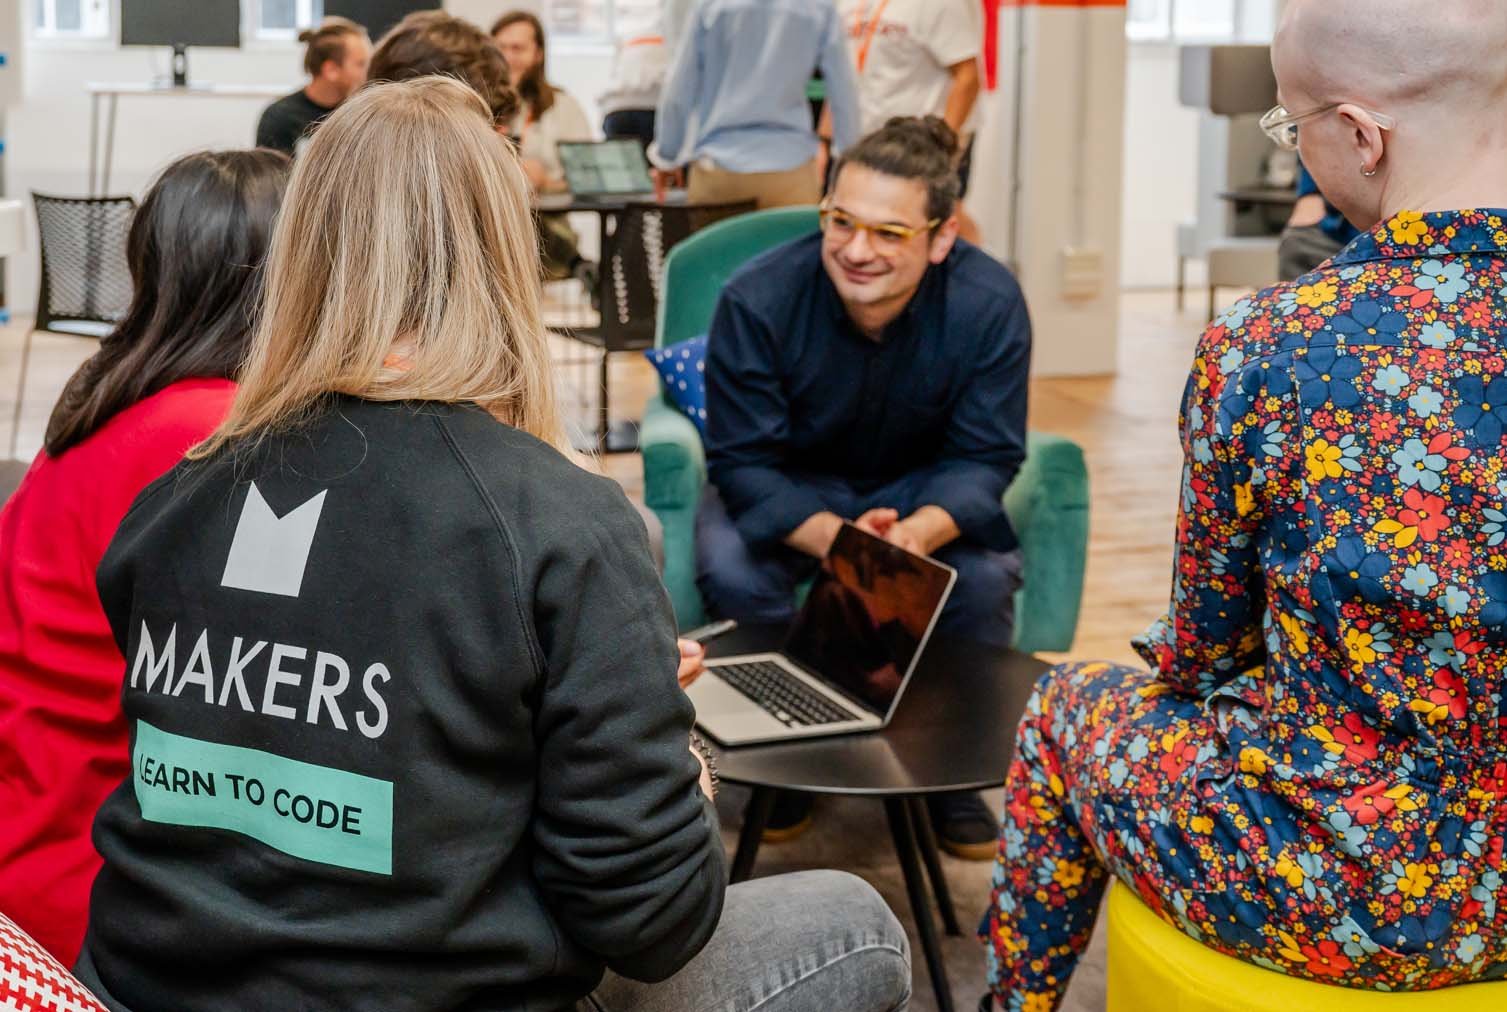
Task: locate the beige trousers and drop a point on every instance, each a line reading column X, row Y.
column 710, row 184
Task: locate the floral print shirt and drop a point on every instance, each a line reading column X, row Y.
column 1340, row 588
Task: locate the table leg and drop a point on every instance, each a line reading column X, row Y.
column 104, row 185
column 93, row 143
column 927, row 839
column 915, row 886
column 755, row 818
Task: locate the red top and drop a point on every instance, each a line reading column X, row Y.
column 63, row 744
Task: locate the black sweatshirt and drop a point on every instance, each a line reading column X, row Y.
column 405, row 731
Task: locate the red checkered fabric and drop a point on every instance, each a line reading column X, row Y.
column 32, row 981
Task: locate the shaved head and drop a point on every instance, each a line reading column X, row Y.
column 1394, row 52
column 1438, row 68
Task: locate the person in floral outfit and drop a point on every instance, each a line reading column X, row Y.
column 1312, row 775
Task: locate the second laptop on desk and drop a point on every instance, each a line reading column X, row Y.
column 849, row 656
column 606, row 170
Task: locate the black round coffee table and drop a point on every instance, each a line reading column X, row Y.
column 953, row 731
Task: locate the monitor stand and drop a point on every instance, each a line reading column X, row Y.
column 178, row 81
column 180, row 66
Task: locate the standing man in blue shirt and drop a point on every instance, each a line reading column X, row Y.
column 735, row 107
column 876, row 372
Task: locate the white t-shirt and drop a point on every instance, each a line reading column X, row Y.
column 638, row 73
column 910, row 51
column 565, row 121
column 642, row 63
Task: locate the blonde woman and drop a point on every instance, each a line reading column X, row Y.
column 401, row 679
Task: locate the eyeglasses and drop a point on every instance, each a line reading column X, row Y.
column 1282, row 126
column 842, row 227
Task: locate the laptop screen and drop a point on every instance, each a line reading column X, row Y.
column 869, row 613
column 605, row 168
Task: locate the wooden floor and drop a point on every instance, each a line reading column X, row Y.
column 1127, row 426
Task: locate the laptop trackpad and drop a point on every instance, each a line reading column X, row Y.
column 733, row 714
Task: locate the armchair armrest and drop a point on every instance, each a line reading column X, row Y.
column 674, row 475
column 1048, row 505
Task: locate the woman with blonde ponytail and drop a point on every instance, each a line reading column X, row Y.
column 400, row 675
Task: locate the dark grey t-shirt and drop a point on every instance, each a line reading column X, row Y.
column 405, row 731
column 288, row 119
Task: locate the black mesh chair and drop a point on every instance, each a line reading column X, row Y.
column 636, row 242
column 86, row 283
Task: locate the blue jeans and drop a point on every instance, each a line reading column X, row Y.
column 791, row 943
column 758, row 587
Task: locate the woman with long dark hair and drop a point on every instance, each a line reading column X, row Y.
column 162, row 381
column 547, row 116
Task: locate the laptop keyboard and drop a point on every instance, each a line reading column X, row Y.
column 785, row 697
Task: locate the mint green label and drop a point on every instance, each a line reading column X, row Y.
column 313, row 812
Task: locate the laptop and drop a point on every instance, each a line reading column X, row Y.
column 600, row 169
column 848, row 657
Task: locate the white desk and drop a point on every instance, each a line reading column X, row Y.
column 99, row 183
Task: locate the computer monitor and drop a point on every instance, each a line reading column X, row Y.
column 180, row 24
column 377, row 16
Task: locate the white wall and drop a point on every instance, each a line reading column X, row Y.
column 1161, row 167
column 1064, row 182
column 10, row 46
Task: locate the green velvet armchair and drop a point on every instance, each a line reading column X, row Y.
column 1047, row 503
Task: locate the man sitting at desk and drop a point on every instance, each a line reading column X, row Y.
column 337, row 56
column 876, row 373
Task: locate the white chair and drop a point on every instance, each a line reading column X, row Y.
column 1231, row 86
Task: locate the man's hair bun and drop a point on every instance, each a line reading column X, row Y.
column 933, row 128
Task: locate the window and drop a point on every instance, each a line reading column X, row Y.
column 1204, row 19
column 601, row 20
column 283, row 19
column 1200, row 20
column 71, row 19
column 1149, row 19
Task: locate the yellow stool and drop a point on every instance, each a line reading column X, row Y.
column 1154, row 967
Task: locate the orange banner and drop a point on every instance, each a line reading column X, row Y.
column 991, row 28
column 1061, row 3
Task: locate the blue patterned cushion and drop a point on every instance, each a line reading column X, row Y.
column 682, row 367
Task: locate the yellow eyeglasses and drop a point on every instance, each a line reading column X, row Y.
column 842, row 226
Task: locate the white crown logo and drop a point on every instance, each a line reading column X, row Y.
column 269, row 554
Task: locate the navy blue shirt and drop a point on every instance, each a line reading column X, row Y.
column 795, row 389
column 1334, row 224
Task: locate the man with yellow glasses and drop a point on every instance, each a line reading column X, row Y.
column 874, row 373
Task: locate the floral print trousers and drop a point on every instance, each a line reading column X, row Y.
column 1114, row 773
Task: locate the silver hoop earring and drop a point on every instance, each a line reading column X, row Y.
column 1368, row 175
